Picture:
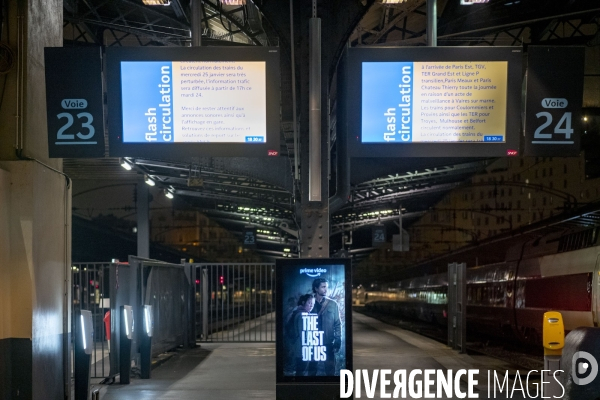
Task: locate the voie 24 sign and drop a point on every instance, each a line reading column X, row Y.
column 554, row 100
column 74, row 102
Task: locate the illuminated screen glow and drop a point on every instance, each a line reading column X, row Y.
column 431, row 102
column 83, row 332
column 126, row 323
column 194, row 101
column 147, row 314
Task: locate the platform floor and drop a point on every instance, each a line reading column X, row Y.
column 232, row 371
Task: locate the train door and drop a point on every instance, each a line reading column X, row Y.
column 596, row 293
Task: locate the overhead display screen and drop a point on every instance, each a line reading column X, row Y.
column 315, row 326
column 187, row 102
column 440, row 102
column 184, row 102
column 434, row 102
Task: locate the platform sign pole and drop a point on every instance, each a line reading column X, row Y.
column 461, row 306
column 554, row 341
column 204, row 303
column 457, row 306
column 143, row 223
column 451, row 303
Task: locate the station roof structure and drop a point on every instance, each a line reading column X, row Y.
column 238, row 192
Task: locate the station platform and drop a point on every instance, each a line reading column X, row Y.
column 232, row 371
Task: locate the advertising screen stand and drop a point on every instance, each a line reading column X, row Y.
column 302, row 391
column 314, row 329
column 84, row 344
column 126, row 334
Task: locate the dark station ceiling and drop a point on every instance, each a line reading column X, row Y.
column 237, row 192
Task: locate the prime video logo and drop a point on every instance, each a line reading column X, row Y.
column 313, row 272
column 435, row 384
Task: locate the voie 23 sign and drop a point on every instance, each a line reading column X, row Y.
column 74, row 102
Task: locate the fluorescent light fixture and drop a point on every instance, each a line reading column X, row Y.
column 392, row 1
column 233, row 2
column 469, row 2
column 83, row 332
column 149, row 180
column 156, row 2
column 126, row 322
column 169, row 193
column 125, row 164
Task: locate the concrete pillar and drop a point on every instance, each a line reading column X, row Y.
column 35, row 217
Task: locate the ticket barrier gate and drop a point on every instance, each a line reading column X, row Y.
column 125, row 336
column 84, row 345
column 146, row 343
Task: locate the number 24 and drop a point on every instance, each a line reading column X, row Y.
column 88, row 124
column 566, row 120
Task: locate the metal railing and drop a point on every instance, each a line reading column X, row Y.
column 234, row 302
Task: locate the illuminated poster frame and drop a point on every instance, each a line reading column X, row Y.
column 185, row 150
column 295, row 279
column 352, row 72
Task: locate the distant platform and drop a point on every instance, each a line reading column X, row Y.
column 233, row 371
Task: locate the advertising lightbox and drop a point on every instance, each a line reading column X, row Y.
column 434, row 101
column 186, row 102
column 314, row 330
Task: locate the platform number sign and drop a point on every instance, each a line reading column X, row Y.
column 378, row 235
column 74, row 102
column 249, row 239
column 554, row 100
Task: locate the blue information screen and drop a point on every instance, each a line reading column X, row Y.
column 193, row 102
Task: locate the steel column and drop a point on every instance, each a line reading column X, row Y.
column 143, row 225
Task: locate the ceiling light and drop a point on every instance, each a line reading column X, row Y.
column 168, row 194
column 233, row 2
column 156, row 2
column 125, row 164
column 149, row 180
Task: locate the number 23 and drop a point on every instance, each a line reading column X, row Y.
column 88, row 125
